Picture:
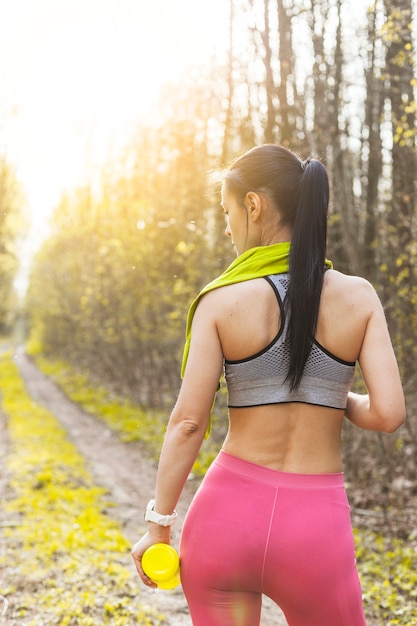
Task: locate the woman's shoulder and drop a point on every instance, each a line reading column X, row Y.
column 350, row 290
column 339, row 278
column 240, row 303
column 347, row 304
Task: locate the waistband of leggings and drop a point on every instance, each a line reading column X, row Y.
column 278, row 478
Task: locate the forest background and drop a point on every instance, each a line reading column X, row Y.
column 127, row 251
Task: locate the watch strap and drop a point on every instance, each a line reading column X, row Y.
column 157, row 518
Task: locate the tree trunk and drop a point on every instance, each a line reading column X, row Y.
column 401, row 286
column 269, row 78
column 371, row 157
column 286, row 68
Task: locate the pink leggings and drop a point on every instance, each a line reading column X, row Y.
column 251, row 530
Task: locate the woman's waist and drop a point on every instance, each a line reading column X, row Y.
column 292, row 461
column 279, row 478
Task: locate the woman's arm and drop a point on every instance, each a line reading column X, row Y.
column 187, row 424
column 383, row 407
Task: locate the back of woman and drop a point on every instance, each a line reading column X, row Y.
column 295, row 437
column 271, row 516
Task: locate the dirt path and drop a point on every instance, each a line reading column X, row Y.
column 124, row 470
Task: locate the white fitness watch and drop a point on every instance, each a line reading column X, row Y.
column 157, row 518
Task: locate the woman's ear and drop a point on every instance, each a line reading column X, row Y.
column 253, row 203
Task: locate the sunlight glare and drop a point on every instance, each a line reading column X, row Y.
column 80, row 74
column 76, row 76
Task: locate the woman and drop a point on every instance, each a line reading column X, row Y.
column 271, row 516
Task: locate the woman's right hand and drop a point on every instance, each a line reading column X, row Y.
column 139, row 550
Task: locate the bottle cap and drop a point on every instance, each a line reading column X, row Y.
column 161, row 563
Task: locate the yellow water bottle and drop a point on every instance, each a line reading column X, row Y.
column 161, row 563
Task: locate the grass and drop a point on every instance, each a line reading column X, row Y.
column 66, row 560
column 388, row 571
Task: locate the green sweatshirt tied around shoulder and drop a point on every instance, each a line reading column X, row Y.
column 254, row 263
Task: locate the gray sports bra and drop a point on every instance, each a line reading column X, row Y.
column 260, row 379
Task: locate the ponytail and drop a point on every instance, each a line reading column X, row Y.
column 307, row 262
